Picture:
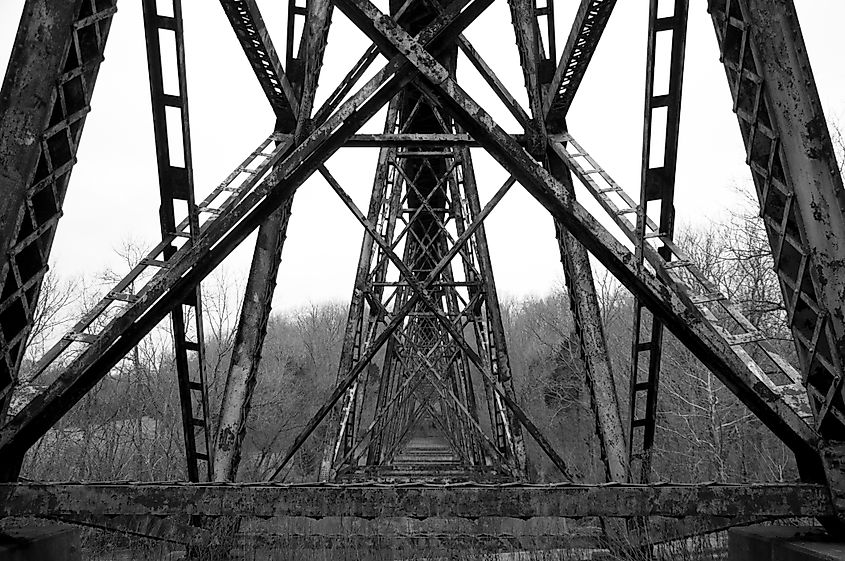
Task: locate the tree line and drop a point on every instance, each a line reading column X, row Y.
column 128, row 427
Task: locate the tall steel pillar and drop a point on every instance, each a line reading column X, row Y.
column 586, row 29
column 801, row 196
column 657, row 185
column 261, row 282
column 176, row 188
column 45, row 98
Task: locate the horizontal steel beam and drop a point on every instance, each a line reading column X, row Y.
column 488, row 534
column 415, row 500
column 419, row 544
column 416, row 140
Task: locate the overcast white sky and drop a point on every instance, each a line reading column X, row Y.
column 113, row 194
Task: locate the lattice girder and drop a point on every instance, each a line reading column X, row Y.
column 43, row 119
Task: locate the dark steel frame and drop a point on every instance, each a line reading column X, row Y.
column 778, row 143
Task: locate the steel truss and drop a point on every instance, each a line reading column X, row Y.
column 436, row 325
column 423, row 200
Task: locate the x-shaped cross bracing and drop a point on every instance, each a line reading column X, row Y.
column 409, row 60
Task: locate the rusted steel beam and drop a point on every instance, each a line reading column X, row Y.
column 657, row 185
column 528, row 44
column 586, row 314
column 487, row 534
column 798, row 185
column 589, row 331
column 44, row 100
column 587, row 28
column 800, row 192
column 578, row 273
column 370, row 140
column 427, row 545
column 685, row 321
column 249, row 339
column 419, row 537
column 414, row 500
column 261, row 282
column 245, row 19
column 176, row 183
column 495, row 83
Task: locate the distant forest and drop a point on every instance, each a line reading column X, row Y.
column 129, row 428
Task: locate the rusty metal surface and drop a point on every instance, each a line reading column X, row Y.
column 657, row 185
column 249, row 339
column 584, row 36
column 484, row 534
column 245, row 19
column 415, row 500
column 43, row 105
column 419, row 536
column 589, row 330
column 176, row 189
column 261, row 282
column 798, row 183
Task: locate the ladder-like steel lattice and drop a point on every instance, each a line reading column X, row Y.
column 813, row 323
column 691, row 283
column 657, row 184
column 176, row 186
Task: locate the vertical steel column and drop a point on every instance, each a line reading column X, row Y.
column 578, row 274
column 524, row 19
column 176, row 187
column 44, row 100
column 249, row 339
column 657, row 183
column 588, row 328
column 800, row 192
column 261, row 283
